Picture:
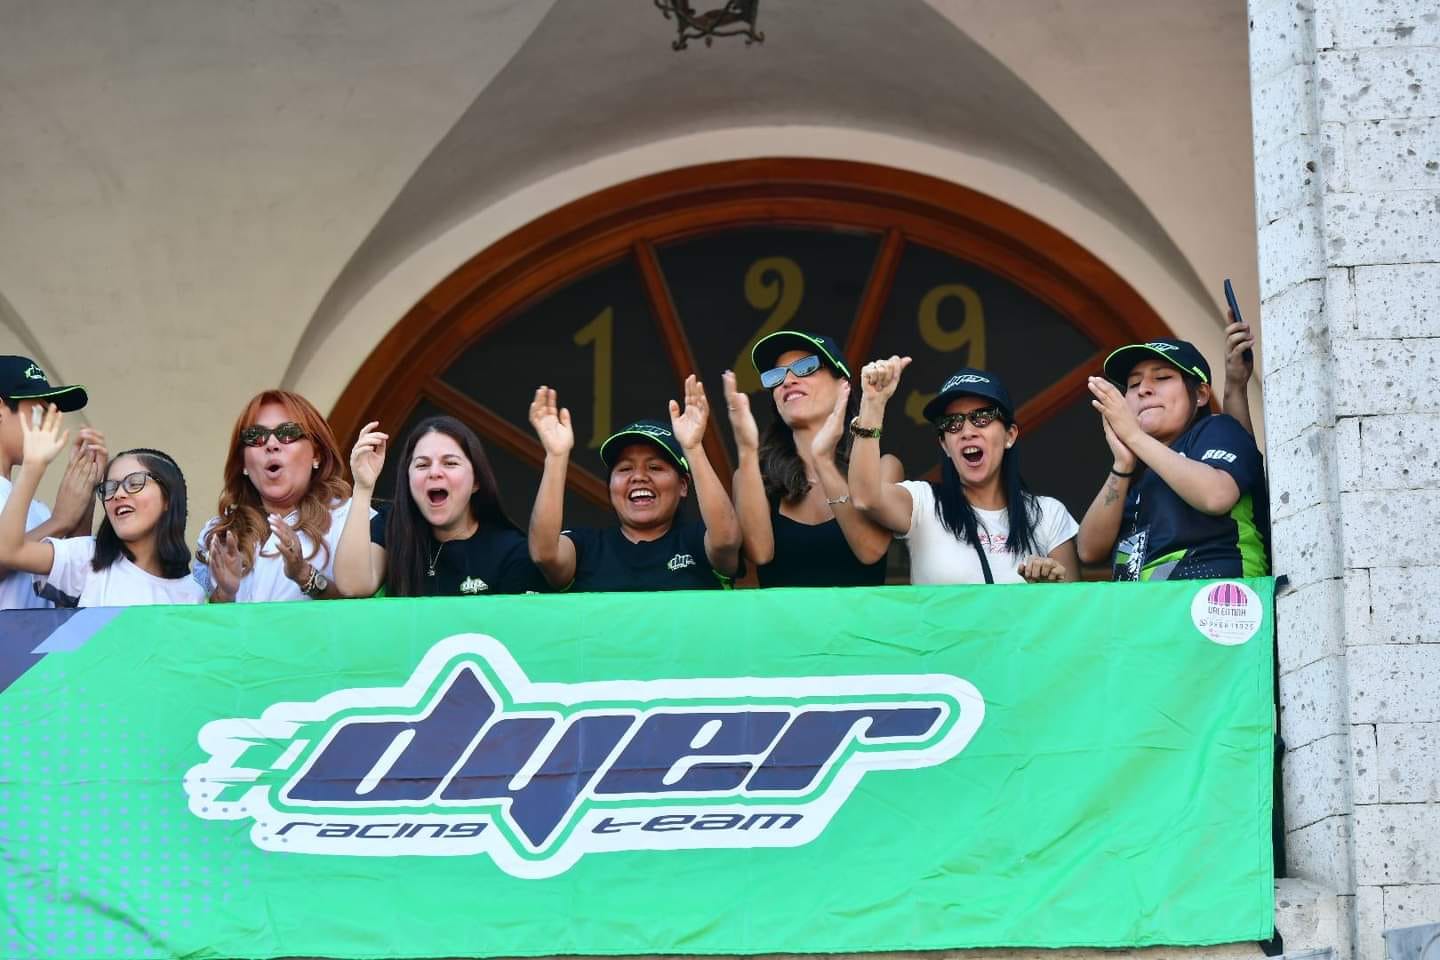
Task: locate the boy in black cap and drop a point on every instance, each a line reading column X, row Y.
column 651, row 468
column 1186, row 496
column 24, row 392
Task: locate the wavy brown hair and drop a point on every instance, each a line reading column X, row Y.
column 242, row 514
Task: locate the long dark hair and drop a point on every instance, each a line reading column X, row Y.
column 958, row 516
column 782, row 470
column 409, row 539
column 170, row 547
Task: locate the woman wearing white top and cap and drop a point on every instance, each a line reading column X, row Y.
column 980, row 523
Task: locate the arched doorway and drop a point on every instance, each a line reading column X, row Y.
column 614, row 298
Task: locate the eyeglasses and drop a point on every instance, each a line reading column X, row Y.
column 287, row 433
column 803, row 367
column 132, row 482
column 979, row 419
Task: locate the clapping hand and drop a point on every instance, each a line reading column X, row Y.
column 227, row 567
column 551, row 425
column 827, row 438
column 742, row 420
column 290, row 550
column 83, row 473
column 1121, row 427
column 368, row 456
column 689, row 426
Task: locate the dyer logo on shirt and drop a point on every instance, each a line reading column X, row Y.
column 473, row 585
column 679, row 562
column 472, row 757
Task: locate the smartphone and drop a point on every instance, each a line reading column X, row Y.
column 1249, row 355
column 37, row 415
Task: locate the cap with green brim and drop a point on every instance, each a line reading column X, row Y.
column 652, row 432
column 22, row 379
column 1180, row 354
column 765, row 355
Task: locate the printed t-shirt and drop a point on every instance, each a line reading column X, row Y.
column 17, row 588
column 1164, row 538
column 815, row 555
column 938, row 556
column 122, row 584
column 607, row 561
column 493, row 560
column 266, row 579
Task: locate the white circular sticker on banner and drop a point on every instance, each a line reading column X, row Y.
column 1228, row 613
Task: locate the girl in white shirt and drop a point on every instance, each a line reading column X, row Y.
column 979, row 524
column 139, row 555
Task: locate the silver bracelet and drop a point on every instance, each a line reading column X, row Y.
column 838, row 500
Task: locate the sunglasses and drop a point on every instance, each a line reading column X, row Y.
column 803, row 367
column 979, row 419
column 287, row 433
column 132, row 482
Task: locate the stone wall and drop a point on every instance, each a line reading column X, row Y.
column 1346, row 106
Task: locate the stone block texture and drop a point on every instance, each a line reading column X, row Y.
column 1346, row 111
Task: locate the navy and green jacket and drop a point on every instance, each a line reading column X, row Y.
column 1164, row 538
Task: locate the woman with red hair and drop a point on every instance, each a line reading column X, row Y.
column 283, row 506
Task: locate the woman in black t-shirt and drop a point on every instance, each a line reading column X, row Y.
column 445, row 535
column 651, row 470
column 791, row 492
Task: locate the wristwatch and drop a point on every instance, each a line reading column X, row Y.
column 869, row 433
column 316, row 585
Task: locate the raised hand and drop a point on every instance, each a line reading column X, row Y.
column 827, row 438
column 291, row 551
column 368, row 455
column 551, row 425
column 742, row 420
column 1119, row 421
column 880, row 378
column 1038, row 569
column 43, row 443
column 689, row 426
column 227, row 567
column 1238, row 339
column 88, row 460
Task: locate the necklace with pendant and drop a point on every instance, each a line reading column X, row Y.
column 430, row 570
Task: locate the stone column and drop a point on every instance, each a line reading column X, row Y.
column 1346, row 112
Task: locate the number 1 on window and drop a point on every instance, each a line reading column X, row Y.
column 600, row 332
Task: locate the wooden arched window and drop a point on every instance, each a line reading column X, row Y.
column 614, row 298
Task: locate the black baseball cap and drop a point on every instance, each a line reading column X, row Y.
column 1180, row 354
column 22, row 379
column 652, row 432
column 970, row 382
column 766, row 352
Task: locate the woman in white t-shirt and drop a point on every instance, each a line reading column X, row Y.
column 138, row 556
column 980, row 523
column 281, row 511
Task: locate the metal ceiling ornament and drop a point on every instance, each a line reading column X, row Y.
column 736, row 18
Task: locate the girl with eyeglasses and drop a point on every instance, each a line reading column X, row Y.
column 138, row 556
column 980, row 523
column 445, row 534
column 282, row 508
column 791, row 493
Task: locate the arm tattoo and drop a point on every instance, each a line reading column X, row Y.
column 1112, row 491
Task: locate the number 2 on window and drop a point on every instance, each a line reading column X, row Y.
column 600, row 332
column 771, row 282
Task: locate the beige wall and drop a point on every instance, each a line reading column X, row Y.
column 201, row 200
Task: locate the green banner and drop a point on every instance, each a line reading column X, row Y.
column 761, row 771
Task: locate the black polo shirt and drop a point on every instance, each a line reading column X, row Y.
column 493, row 560
column 1164, row 538
column 606, row 561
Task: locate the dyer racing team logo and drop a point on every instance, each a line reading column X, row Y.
column 471, row 757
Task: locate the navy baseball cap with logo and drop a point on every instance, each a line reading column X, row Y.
column 652, row 432
column 1180, row 354
column 766, row 352
column 22, row 379
column 970, row 382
